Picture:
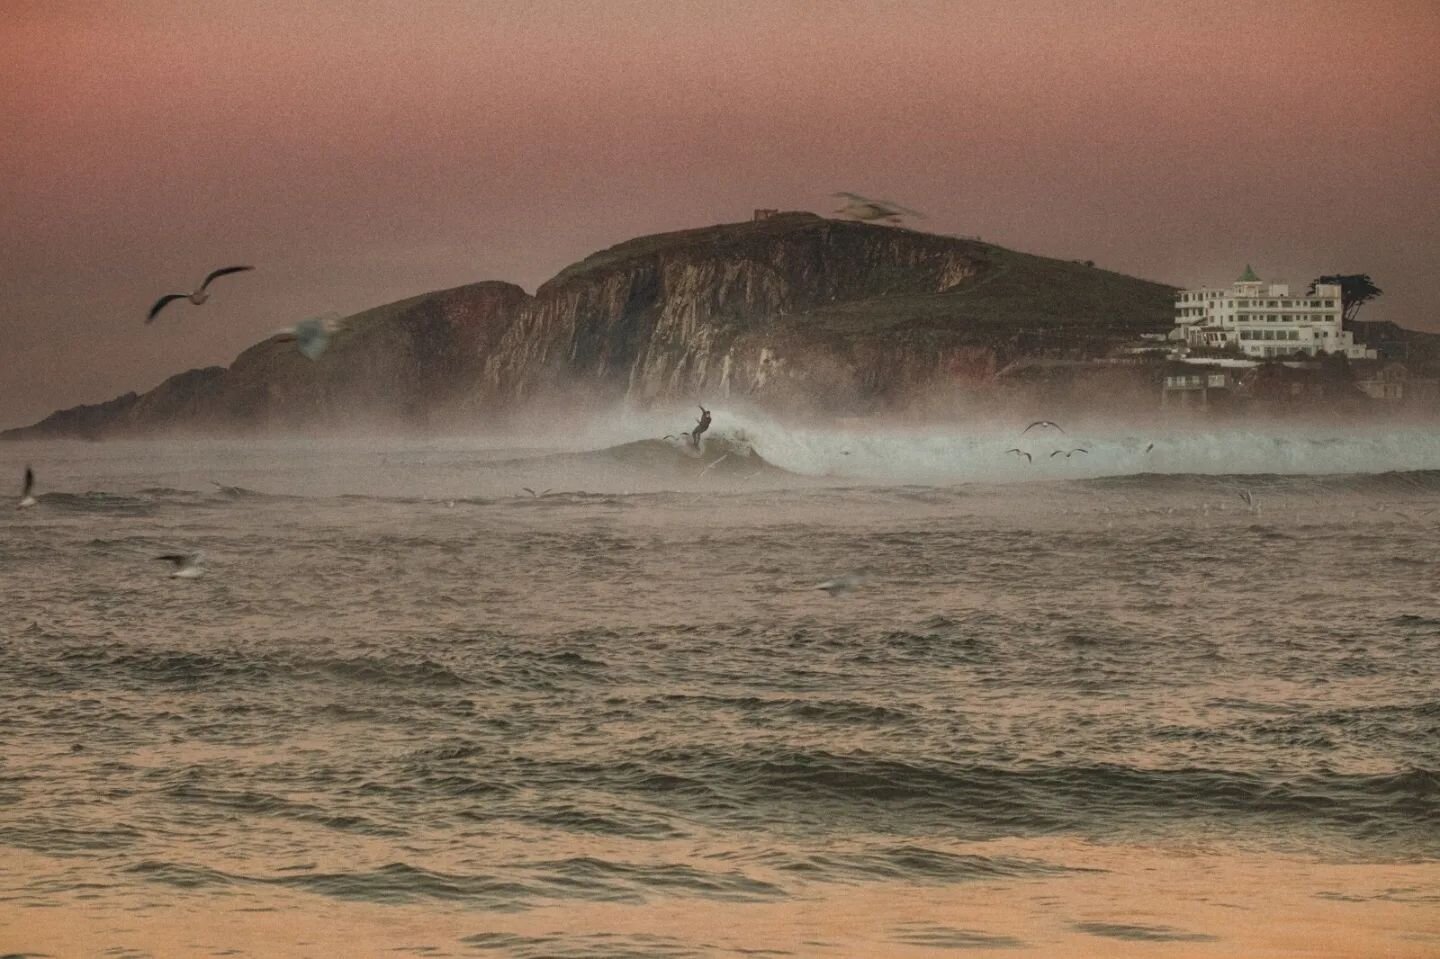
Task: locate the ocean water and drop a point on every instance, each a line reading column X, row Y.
column 1096, row 705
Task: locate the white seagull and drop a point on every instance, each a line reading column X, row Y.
column 866, row 209
column 187, row 565
column 313, row 335
column 197, row 297
column 26, row 500
column 841, row 584
column 1043, row 424
column 1020, row 452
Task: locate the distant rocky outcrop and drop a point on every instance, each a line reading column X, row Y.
column 792, row 312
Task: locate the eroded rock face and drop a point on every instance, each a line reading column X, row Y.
column 794, row 312
column 739, row 310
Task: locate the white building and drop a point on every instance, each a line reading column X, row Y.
column 1265, row 320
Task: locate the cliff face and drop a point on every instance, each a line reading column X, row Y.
column 795, row 311
column 717, row 312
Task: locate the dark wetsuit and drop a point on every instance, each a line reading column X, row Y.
column 700, row 427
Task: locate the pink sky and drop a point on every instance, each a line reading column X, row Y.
column 359, row 152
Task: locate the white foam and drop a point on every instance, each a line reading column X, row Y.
column 977, row 453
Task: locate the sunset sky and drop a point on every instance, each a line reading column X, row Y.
column 360, row 151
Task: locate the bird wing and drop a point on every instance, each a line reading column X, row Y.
column 162, row 302
column 325, row 323
column 897, row 208
column 1086, row 452
column 1028, row 457
column 29, row 482
column 1056, row 453
column 224, row 270
column 528, row 490
column 313, row 337
column 1032, row 426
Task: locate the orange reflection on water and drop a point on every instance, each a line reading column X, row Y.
column 1128, row 901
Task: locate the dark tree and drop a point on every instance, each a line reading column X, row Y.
column 1356, row 289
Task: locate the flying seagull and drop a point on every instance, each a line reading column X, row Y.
column 199, row 296
column 841, row 584
column 1043, row 424
column 26, row 500
column 187, row 565
column 313, row 335
column 866, row 209
column 1028, row 457
column 1248, row 498
column 544, row 492
column 1068, row 453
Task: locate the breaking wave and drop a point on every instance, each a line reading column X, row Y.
column 964, row 454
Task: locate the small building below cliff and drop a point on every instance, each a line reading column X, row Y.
column 1197, row 387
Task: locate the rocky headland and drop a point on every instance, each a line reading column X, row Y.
column 793, row 313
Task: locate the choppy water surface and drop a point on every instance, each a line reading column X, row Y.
column 613, row 723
